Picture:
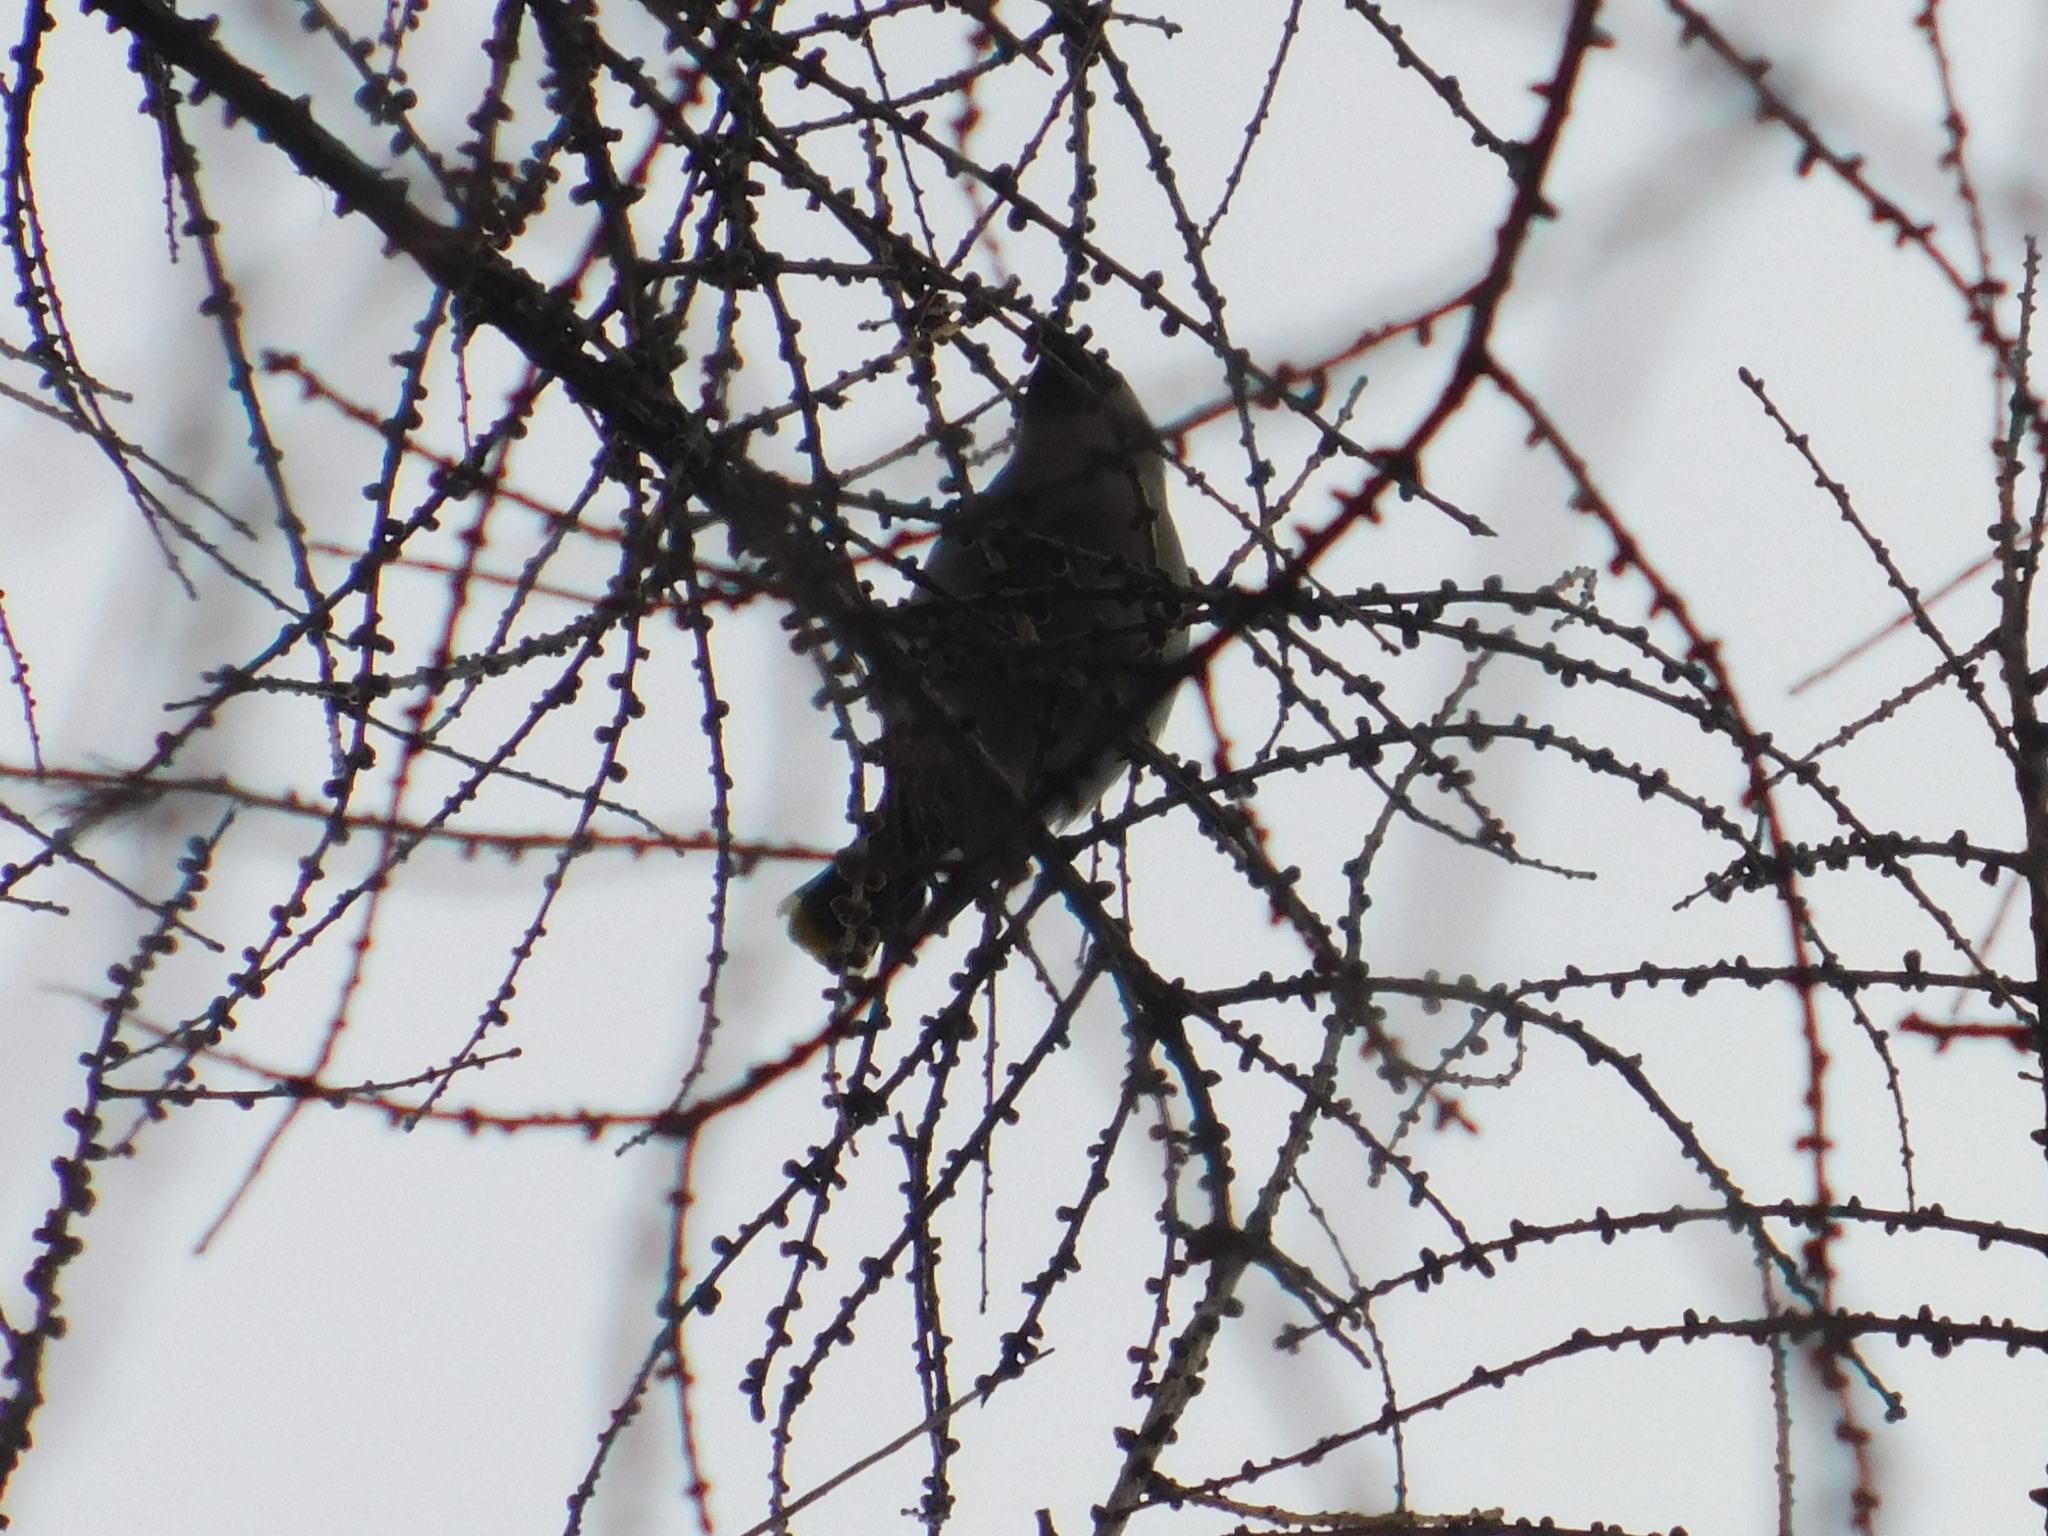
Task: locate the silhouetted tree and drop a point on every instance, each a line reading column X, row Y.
column 1487, row 981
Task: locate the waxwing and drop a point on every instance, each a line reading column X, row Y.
column 1044, row 627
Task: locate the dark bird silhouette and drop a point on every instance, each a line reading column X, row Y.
column 1042, row 632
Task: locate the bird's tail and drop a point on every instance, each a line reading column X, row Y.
column 854, row 905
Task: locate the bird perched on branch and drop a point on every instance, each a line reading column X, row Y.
column 1039, row 643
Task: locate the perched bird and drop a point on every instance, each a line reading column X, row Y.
column 1044, row 625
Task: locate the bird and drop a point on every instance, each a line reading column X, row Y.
column 1044, row 624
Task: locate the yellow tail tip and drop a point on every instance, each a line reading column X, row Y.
column 808, row 933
